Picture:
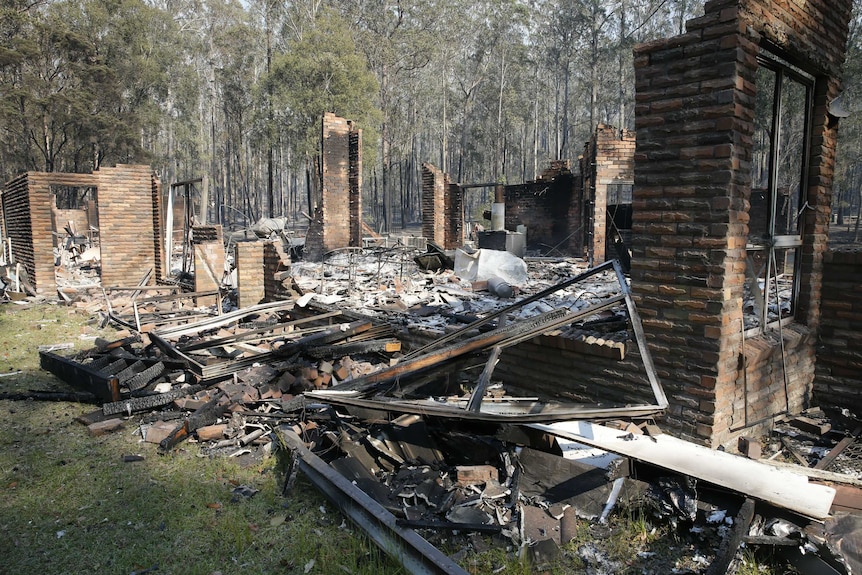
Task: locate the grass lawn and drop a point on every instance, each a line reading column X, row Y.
column 70, row 504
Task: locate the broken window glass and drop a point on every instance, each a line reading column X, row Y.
column 779, row 159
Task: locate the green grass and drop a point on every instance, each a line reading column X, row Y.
column 69, row 504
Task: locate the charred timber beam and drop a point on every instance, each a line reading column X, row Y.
column 355, row 347
column 105, row 387
column 256, row 333
column 215, row 371
column 206, row 414
column 224, row 319
column 147, row 402
column 404, row 545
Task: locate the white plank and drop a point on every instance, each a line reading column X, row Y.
column 779, row 487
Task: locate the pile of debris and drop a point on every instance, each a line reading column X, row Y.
column 383, row 412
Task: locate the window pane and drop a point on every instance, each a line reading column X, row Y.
column 758, row 225
column 794, row 97
column 780, row 291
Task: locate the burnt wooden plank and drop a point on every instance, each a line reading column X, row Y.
column 105, row 387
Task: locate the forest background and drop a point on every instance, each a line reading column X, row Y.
column 487, row 90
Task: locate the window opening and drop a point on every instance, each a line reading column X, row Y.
column 778, row 176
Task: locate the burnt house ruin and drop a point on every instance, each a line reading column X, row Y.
column 118, row 208
column 722, row 196
column 724, row 199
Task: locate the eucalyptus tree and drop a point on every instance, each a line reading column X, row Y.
column 398, row 39
column 321, row 71
column 83, row 83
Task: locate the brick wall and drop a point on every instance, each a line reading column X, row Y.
column 129, row 242
column 275, row 260
column 17, row 227
column 453, row 196
column 337, row 220
column 555, row 367
column 248, row 259
column 160, row 259
column 126, row 222
column 61, row 218
column 838, row 377
column 354, row 183
column 694, row 113
column 609, row 158
column 208, row 244
column 27, row 204
column 545, row 206
column 434, row 183
column 442, row 209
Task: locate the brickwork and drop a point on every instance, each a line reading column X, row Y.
column 338, row 218
column 453, row 197
column 248, row 259
column 129, row 243
column 208, row 244
column 548, row 207
column 17, row 227
column 838, row 377
column 275, row 260
column 609, row 158
column 161, row 260
column 554, row 367
column 354, row 184
column 61, row 218
column 442, row 209
column 694, row 120
column 313, row 248
column 434, row 183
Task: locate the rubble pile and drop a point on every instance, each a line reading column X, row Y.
column 377, row 381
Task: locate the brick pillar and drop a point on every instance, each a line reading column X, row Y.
column 335, row 203
column 208, row 244
column 248, row 258
column 127, row 224
column 355, row 184
column 454, row 217
column 433, row 204
column 838, row 378
column 611, row 156
column 694, row 114
column 275, row 260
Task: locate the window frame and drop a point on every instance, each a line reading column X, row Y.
column 771, row 241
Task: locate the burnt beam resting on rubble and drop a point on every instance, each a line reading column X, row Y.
column 105, row 387
column 256, row 333
column 776, row 486
column 502, row 337
column 475, row 402
column 224, row 319
column 734, row 538
column 207, row 414
column 404, row 545
column 210, row 372
column 147, row 402
column 369, row 392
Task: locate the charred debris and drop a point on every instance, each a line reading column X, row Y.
column 389, row 400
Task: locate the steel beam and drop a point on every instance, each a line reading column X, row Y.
column 404, row 545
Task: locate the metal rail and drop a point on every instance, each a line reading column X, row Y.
column 402, row 544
